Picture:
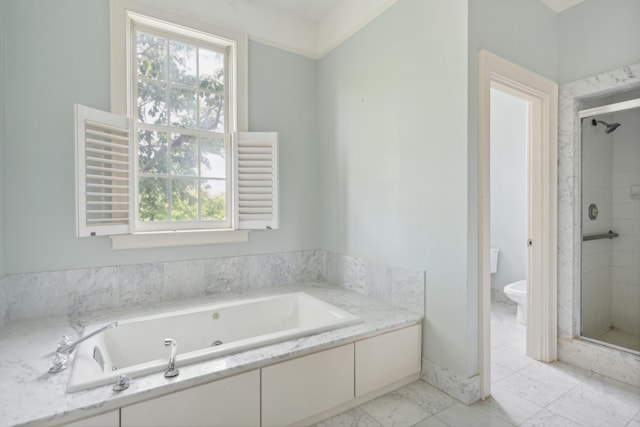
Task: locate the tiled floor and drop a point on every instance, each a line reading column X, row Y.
column 524, row 393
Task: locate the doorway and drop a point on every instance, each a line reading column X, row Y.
column 541, row 95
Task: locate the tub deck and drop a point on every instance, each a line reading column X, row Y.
column 31, row 396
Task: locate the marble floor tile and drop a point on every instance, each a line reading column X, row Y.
column 599, row 401
column 511, row 356
column 539, row 392
column 499, row 372
column 546, row 418
column 509, row 406
column 356, row 417
column 392, row 409
column 432, row 421
column 426, row 396
column 461, row 415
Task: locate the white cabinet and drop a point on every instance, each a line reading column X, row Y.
column 108, row 419
column 387, row 358
column 233, row 401
column 306, row 386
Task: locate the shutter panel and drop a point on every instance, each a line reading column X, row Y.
column 104, row 176
column 256, row 180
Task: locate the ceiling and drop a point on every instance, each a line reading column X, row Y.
column 316, row 10
column 312, row 10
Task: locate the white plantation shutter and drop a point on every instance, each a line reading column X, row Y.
column 256, row 180
column 104, row 176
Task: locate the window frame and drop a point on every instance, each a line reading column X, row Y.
column 141, row 25
column 124, row 15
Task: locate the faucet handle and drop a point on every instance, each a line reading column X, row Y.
column 122, row 383
column 58, row 362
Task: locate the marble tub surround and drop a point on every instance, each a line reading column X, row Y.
column 74, row 292
column 30, row 396
column 573, row 97
column 399, row 286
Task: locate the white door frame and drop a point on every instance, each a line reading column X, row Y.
column 542, row 316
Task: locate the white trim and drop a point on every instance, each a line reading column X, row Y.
column 177, row 238
column 542, row 94
column 610, row 108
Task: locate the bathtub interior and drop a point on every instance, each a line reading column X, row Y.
column 136, row 346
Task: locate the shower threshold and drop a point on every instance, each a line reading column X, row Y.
column 620, row 340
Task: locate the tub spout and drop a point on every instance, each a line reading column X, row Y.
column 171, row 371
column 68, row 347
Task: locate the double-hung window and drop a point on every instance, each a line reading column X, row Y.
column 176, row 161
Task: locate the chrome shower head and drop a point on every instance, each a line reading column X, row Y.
column 610, row 127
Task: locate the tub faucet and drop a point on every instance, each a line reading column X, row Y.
column 58, row 362
column 68, row 347
column 171, row 371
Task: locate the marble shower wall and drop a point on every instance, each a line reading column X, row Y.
column 74, row 292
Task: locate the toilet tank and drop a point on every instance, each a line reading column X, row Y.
column 494, row 259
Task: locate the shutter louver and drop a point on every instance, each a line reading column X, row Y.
column 256, row 183
column 103, row 172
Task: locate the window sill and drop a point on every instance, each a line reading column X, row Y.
column 177, row 238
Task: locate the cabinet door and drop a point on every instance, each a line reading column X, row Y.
column 387, row 358
column 108, row 419
column 233, row 401
column 306, row 386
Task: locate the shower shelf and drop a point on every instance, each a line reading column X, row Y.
column 609, row 235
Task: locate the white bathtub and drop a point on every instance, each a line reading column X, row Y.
column 136, row 347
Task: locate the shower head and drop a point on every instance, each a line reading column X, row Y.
column 610, row 127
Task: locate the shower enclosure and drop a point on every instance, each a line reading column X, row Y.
column 610, row 259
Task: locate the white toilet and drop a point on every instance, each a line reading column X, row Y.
column 517, row 292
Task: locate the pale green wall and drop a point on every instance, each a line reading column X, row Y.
column 392, row 108
column 598, row 36
column 59, row 54
column 2, row 156
column 524, row 32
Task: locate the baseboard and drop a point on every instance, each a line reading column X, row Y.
column 466, row 390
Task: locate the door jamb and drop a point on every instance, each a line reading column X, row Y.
column 542, row 335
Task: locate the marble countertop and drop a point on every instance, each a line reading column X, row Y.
column 31, row 396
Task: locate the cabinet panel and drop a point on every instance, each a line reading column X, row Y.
column 108, row 419
column 233, row 401
column 386, row 358
column 302, row 387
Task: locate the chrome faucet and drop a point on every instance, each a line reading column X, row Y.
column 67, row 348
column 171, row 371
column 58, row 362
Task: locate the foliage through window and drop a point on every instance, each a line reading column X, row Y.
column 181, row 106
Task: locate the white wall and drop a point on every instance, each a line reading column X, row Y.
column 392, row 106
column 59, row 56
column 508, row 186
column 597, row 36
column 2, row 155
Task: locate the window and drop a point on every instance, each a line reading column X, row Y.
column 181, row 99
column 175, row 160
